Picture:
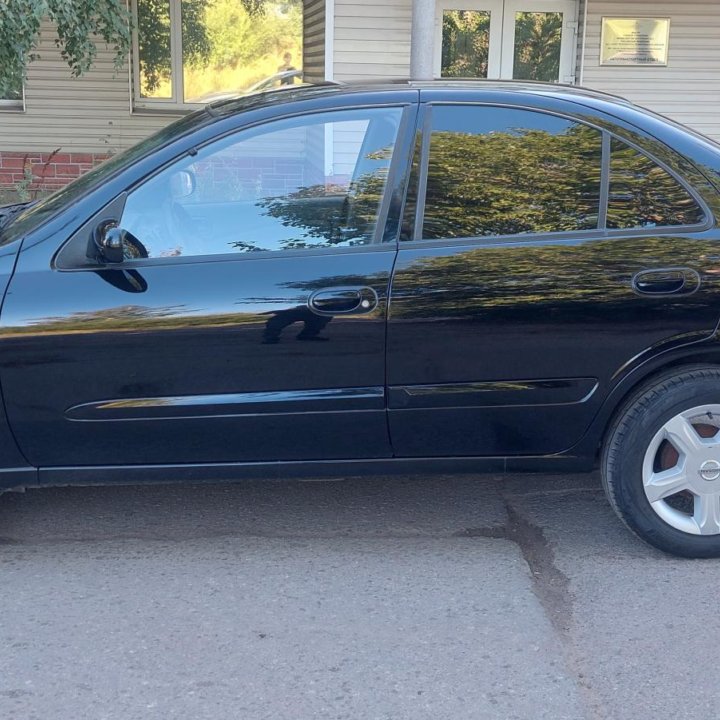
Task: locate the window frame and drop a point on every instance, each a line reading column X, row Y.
column 176, row 102
column 67, row 256
column 601, row 231
column 10, row 105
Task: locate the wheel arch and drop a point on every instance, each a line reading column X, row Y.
column 634, row 383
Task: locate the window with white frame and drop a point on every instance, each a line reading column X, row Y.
column 13, row 98
column 190, row 52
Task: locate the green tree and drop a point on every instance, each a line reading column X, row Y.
column 326, row 219
column 238, row 34
column 511, row 182
column 154, row 38
column 537, row 46
column 465, row 43
column 80, row 25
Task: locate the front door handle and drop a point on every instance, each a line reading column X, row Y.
column 667, row 281
column 343, row 301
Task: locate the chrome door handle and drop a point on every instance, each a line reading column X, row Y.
column 343, row 301
column 666, row 281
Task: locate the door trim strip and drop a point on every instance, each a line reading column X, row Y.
column 180, row 407
column 558, row 391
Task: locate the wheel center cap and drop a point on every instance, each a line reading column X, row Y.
column 710, row 470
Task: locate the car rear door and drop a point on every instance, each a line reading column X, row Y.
column 247, row 321
column 541, row 258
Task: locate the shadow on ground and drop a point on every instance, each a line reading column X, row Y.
column 356, row 507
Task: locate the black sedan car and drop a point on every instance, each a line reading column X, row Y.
column 335, row 280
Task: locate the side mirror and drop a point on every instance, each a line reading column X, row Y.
column 110, row 242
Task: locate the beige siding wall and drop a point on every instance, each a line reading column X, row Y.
column 88, row 114
column 372, row 39
column 314, row 40
column 688, row 89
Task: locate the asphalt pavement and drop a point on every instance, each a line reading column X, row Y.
column 371, row 599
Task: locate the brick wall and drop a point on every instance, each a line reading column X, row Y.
column 50, row 171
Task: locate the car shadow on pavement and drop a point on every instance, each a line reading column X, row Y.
column 396, row 506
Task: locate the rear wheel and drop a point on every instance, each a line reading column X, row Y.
column 661, row 463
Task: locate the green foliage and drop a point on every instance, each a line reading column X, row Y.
column 154, row 38
column 643, row 194
column 80, row 25
column 226, row 44
column 537, row 46
column 506, row 179
column 195, row 42
column 334, row 216
column 465, row 43
column 153, row 42
column 238, row 35
column 22, row 187
column 507, row 183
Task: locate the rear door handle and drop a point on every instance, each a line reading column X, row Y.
column 343, row 301
column 666, row 281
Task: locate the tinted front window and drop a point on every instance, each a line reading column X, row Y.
column 502, row 171
column 642, row 194
column 307, row 182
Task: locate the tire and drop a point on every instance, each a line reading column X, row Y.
column 661, row 463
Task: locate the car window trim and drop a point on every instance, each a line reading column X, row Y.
column 397, row 177
column 408, row 216
column 423, row 174
column 569, row 235
column 141, row 263
column 604, row 181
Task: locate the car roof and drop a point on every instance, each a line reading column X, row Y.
column 438, row 87
column 524, row 87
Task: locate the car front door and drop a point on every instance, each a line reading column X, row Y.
column 246, row 321
column 532, row 279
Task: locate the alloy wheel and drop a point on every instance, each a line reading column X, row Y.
column 681, row 471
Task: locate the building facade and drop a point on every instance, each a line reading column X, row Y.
column 662, row 55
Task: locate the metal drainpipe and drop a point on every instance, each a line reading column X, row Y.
column 422, row 37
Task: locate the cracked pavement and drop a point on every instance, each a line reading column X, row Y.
column 373, row 598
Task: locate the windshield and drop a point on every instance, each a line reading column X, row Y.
column 8, row 212
column 37, row 213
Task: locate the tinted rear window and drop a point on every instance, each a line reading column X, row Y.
column 644, row 195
